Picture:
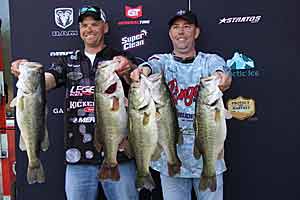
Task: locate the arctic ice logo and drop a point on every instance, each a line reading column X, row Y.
column 63, row 17
column 136, row 40
column 242, row 66
column 246, row 19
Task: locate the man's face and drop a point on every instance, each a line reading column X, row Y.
column 183, row 36
column 92, row 31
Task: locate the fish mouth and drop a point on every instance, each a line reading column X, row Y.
column 213, row 103
column 111, row 89
column 107, row 63
column 154, row 77
column 143, row 107
column 205, row 80
column 32, row 65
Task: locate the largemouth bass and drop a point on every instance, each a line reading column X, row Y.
column 143, row 130
column 111, row 116
column 210, row 130
column 31, row 117
column 169, row 132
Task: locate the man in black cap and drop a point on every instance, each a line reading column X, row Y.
column 77, row 71
column 182, row 69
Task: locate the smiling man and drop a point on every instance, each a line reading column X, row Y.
column 76, row 72
column 182, row 69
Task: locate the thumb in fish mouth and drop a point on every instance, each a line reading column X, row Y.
column 135, row 74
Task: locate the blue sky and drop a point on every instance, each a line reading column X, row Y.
column 4, row 13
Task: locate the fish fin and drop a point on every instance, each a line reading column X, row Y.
column 146, row 182
column 36, row 174
column 208, row 182
column 109, row 172
column 128, row 151
column 221, row 154
column 146, row 119
column 197, row 150
column 13, row 102
column 116, row 104
column 22, row 145
column 97, row 140
column 130, row 129
column 20, row 103
column 157, row 152
column 45, row 142
column 217, row 115
column 115, row 173
column 197, row 153
column 98, row 146
column 179, row 137
column 174, row 168
column 195, row 126
column 157, row 114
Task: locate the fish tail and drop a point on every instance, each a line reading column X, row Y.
column 35, row 174
column 109, row 172
column 208, row 182
column 145, row 182
column 174, row 168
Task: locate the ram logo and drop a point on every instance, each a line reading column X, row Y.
column 63, row 17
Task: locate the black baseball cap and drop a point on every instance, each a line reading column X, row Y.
column 186, row 15
column 93, row 11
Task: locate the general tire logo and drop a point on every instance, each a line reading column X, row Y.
column 63, row 17
column 133, row 13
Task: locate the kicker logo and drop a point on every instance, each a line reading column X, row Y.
column 80, row 104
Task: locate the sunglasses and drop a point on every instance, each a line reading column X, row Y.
column 99, row 12
column 88, row 9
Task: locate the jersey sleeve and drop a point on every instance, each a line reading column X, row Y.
column 156, row 63
column 217, row 63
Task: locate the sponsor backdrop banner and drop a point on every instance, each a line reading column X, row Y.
column 258, row 41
